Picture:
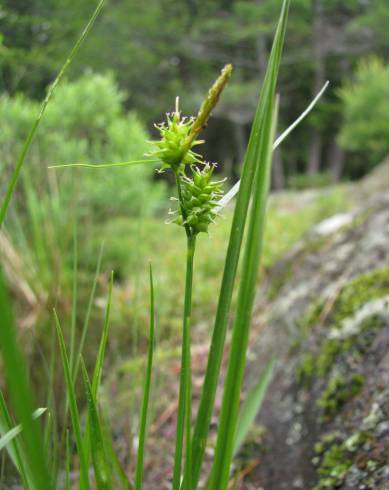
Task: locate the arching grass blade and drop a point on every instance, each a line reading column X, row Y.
column 33, row 130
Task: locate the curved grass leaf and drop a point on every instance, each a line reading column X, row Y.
column 6, row 438
column 235, row 188
column 103, row 165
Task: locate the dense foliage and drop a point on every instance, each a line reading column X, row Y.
column 161, row 48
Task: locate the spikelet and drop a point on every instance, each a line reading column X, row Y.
column 200, row 196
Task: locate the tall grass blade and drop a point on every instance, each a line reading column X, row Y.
column 74, row 412
column 103, row 342
column 73, row 324
column 241, row 327
column 121, row 474
column 21, row 396
column 99, row 457
column 30, row 137
column 252, row 406
column 233, row 252
column 88, row 313
column 99, row 362
column 146, row 394
column 67, row 461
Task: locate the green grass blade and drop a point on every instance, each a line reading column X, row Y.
column 103, row 165
column 146, row 394
column 103, row 342
column 99, row 457
column 88, row 313
column 73, row 324
column 99, row 362
column 74, row 413
column 14, row 449
column 30, row 137
column 21, row 396
column 6, row 438
column 207, row 400
column 252, row 406
column 241, row 327
column 121, row 474
column 67, row 461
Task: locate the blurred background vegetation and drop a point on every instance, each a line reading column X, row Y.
column 137, row 59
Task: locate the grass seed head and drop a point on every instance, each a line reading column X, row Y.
column 172, row 149
column 200, row 196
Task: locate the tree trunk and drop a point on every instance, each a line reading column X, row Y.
column 336, row 160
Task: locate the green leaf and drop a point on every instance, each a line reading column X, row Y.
column 99, row 457
column 14, row 449
column 6, row 438
column 21, row 397
column 103, row 165
column 252, row 406
column 33, row 130
column 146, row 394
column 241, row 327
column 74, row 412
column 88, row 313
column 250, row 164
column 103, row 342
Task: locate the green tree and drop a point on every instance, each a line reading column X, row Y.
column 366, row 113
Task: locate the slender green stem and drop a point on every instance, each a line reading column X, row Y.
column 185, row 394
column 146, row 395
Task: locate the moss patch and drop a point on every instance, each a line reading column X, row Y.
column 339, row 457
column 352, row 297
column 359, row 291
column 338, row 391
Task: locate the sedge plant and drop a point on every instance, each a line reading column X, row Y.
column 199, row 200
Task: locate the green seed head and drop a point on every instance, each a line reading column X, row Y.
column 200, row 196
column 172, row 149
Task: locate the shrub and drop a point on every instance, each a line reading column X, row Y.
column 85, row 121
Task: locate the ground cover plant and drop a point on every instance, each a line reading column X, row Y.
column 87, row 441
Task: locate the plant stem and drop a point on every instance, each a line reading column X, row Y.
column 185, row 394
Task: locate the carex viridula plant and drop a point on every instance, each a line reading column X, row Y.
column 197, row 195
column 199, row 200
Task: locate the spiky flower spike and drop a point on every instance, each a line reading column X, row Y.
column 173, row 149
column 199, row 199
